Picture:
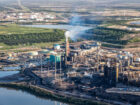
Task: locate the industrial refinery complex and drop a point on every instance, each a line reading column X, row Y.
column 84, row 69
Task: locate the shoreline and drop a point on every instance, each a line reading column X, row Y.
column 36, row 88
column 44, row 93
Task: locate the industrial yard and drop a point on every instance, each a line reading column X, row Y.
column 84, row 52
column 84, row 68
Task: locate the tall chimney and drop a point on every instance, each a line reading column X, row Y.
column 67, row 47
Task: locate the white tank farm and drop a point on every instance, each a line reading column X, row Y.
column 119, row 56
column 33, row 53
column 125, row 57
column 53, row 52
column 137, row 59
column 56, row 46
column 43, row 52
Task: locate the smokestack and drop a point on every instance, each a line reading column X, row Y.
column 67, row 43
column 67, row 47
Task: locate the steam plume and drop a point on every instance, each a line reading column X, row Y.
column 19, row 3
column 21, row 6
column 78, row 30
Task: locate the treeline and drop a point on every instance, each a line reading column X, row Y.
column 110, row 35
column 16, row 39
column 117, row 22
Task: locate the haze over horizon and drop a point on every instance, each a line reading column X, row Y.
column 72, row 1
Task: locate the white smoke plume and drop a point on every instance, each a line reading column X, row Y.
column 19, row 2
column 77, row 29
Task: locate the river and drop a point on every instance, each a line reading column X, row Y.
column 135, row 23
column 7, row 73
column 18, row 97
column 65, row 27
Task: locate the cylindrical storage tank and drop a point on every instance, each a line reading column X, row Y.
column 55, row 58
column 53, row 53
column 75, row 54
column 98, row 44
column 125, row 57
column 120, row 52
column 10, row 54
column 56, row 46
column 137, row 59
column 130, row 55
column 119, row 56
column 34, row 53
column 43, row 52
column 31, row 57
column 127, row 53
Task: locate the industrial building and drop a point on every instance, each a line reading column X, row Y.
column 79, row 61
column 111, row 75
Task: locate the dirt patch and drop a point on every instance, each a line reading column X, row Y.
column 133, row 50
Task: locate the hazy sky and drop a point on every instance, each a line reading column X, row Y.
column 75, row 0
column 71, row 1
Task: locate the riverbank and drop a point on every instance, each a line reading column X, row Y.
column 31, row 83
column 44, row 93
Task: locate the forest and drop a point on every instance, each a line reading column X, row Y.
column 110, row 35
column 16, row 35
column 17, row 39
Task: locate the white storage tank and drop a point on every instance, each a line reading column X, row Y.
column 10, row 54
column 125, row 57
column 127, row 53
column 33, row 53
column 52, row 52
column 137, row 59
column 119, row 56
column 56, row 46
column 120, row 52
column 43, row 52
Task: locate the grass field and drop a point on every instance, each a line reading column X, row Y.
column 16, row 29
column 25, row 48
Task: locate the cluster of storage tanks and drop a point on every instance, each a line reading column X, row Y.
column 51, row 54
column 127, row 56
column 34, row 58
column 124, row 55
column 87, row 49
column 128, row 59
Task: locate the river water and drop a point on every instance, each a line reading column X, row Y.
column 65, row 27
column 7, row 73
column 136, row 23
column 17, row 97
